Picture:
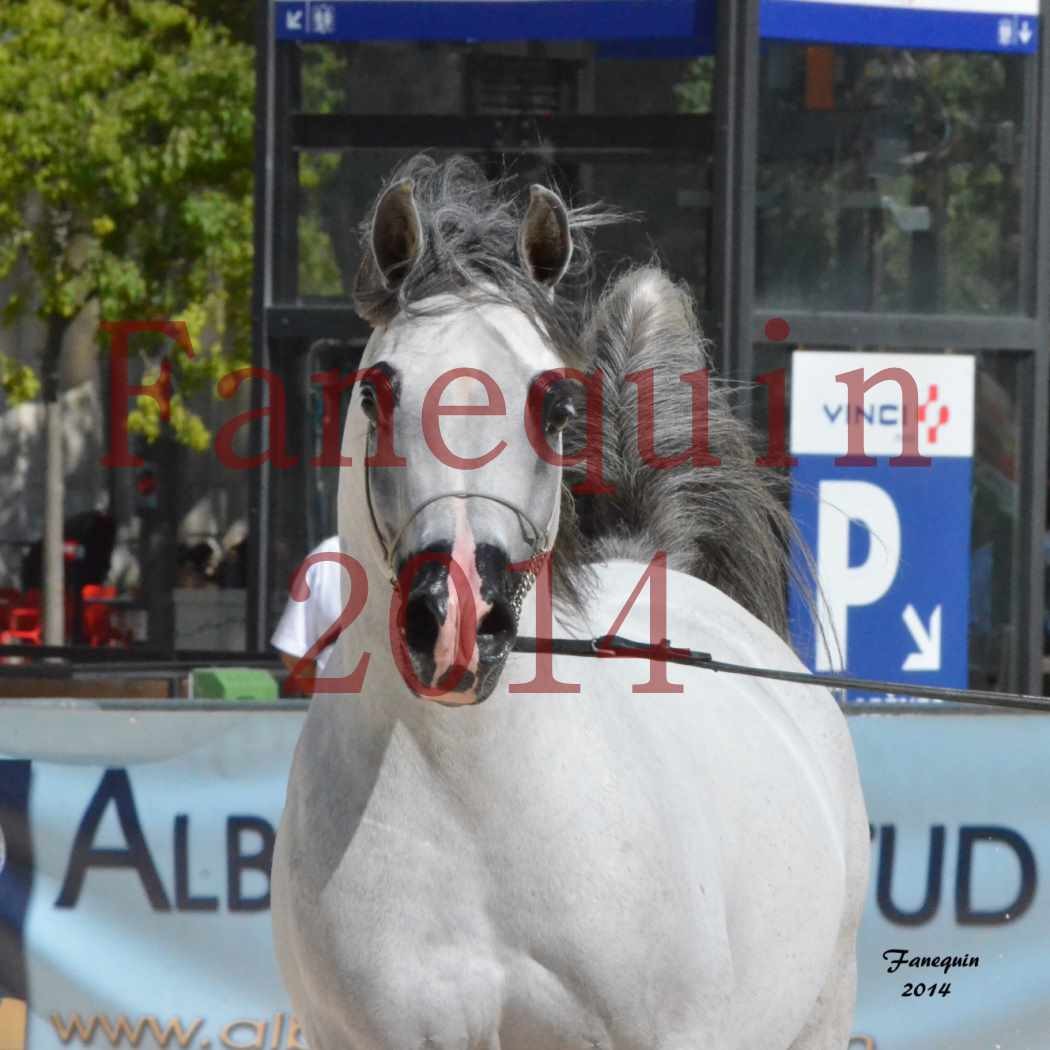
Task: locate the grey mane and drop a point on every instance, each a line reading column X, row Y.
column 723, row 524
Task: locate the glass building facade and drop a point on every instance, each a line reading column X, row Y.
column 819, row 186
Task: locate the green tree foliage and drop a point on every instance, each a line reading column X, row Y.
column 695, row 93
column 126, row 132
column 324, row 178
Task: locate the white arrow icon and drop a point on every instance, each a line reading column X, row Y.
column 294, row 20
column 1025, row 32
column 927, row 656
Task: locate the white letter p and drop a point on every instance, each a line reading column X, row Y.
column 844, row 585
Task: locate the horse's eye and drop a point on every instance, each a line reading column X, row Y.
column 369, row 404
column 560, row 414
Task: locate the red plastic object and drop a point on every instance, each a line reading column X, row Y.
column 9, row 599
column 23, row 626
column 97, row 617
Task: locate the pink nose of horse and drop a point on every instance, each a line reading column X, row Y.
column 458, row 624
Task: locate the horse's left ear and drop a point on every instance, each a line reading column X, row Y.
column 544, row 241
column 397, row 234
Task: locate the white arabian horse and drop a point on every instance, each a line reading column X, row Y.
column 556, row 870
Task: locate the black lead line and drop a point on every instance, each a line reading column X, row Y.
column 616, row 647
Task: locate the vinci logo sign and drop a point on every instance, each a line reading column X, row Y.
column 889, row 527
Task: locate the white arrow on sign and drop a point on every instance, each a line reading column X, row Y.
column 1026, row 33
column 927, row 656
column 294, row 20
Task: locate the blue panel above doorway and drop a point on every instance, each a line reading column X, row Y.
column 1010, row 26
column 665, row 28
column 478, row 20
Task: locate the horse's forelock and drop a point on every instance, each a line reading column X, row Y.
column 471, row 226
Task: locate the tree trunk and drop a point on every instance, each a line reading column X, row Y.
column 54, row 489
column 159, row 527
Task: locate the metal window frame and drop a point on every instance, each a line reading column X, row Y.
column 1038, row 90
column 591, row 134
column 735, row 180
column 262, row 294
column 907, row 331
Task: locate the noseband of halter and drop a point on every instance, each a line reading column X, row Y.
column 539, row 539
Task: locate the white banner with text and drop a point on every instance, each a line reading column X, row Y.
column 134, row 886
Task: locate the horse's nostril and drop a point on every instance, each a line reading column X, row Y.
column 498, row 623
column 422, row 625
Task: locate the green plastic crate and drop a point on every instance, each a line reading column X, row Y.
column 234, row 683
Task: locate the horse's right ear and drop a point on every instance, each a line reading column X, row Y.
column 397, row 234
column 544, row 241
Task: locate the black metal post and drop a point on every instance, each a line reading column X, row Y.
column 160, row 549
column 736, row 159
column 1035, row 512
column 259, row 500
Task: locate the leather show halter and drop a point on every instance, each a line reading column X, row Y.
column 539, row 540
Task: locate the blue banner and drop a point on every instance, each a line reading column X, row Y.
column 669, row 28
column 470, row 20
column 1012, row 30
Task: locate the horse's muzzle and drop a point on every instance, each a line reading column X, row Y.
column 457, row 623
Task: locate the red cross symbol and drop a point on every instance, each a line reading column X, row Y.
column 944, row 413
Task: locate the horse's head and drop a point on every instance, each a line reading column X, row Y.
column 460, row 500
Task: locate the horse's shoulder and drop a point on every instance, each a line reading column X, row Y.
column 696, row 614
column 701, row 617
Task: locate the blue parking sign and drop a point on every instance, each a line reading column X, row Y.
column 889, row 533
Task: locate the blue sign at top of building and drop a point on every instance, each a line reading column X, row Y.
column 970, row 25
column 318, row 20
column 948, row 25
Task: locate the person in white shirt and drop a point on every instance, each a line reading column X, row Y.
column 303, row 623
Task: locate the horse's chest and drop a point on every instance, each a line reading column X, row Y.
column 452, row 964
column 566, row 893
column 524, row 932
